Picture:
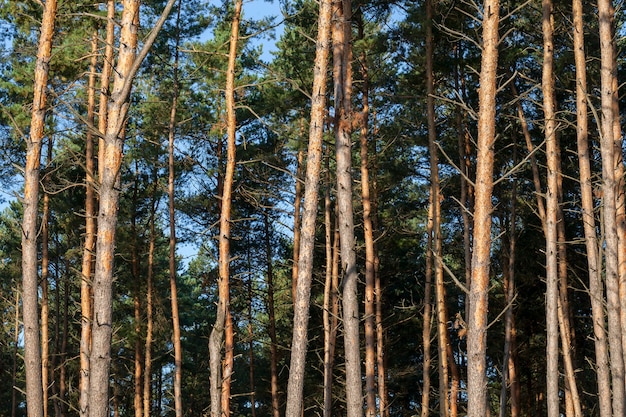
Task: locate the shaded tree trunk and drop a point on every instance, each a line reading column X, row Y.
column 552, row 324
column 609, row 188
column 30, row 278
column 427, row 316
column 342, row 74
column 274, row 389
column 596, row 292
column 479, row 286
column 90, row 234
column 147, row 375
column 45, row 308
column 311, row 189
column 328, row 297
column 297, row 202
column 178, row 351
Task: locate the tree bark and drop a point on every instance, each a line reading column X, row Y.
column 178, row 352
column 297, row 202
column 30, row 278
column 272, row 325
column 427, row 316
column 596, row 292
column 368, row 235
column 222, row 330
column 328, row 297
column 45, row 308
column 609, row 188
column 552, row 324
column 127, row 66
column 90, row 234
column 147, row 375
column 342, row 74
column 479, row 287
column 311, row 188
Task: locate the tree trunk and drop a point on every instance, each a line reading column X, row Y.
column 178, row 352
column 30, row 278
column 596, row 292
column 127, row 66
column 342, row 74
column 90, row 234
column 552, row 324
column 45, row 308
column 311, row 188
column 105, row 83
column 296, row 223
column 222, row 330
column 328, row 296
column 147, row 375
column 479, row 287
column 609, row 188
column 368, row 235
column 272, row 325
column 445, row 399
column 135, row 268
column 427, row 316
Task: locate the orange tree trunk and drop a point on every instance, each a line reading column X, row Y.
column 479, row 286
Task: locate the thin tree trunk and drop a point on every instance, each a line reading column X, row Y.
column 328, row 294
column 135, row 268
column 296, row 223
column 342, row 73
column 222, row 330
column 272, row 325
column 251, row 318
column 63, row 385
column 127, row 66
column 16, row 339
column 178, row 352
column 105, row 83
column 445, row 400
column 427, row 316
column 509, row 367
column 609, row 188
column 368, row 234
column 90, row 234
column 147, row 375
column 596, row 292
column 479, row 287
column 45, row 308
column 552, row 324
column 311, row 188
column 30, row 278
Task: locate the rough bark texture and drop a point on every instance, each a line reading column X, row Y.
column 552, row 324
column 102, row 326
column 328, row 295
column 368, row 235
column 342, row 74
column 609, row 185
column 596, row 292
column 311, row 189
column 222, row 330
column 427, row 315
column 90, row 234
column 479, row 287
column 30, row 278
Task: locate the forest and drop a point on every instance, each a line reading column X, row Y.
column 350, row 208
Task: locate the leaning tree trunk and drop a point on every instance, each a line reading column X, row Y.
column 110, row 164
column 479, row 286
column 30, row 278
column 596, row 292
column 222, row 330
column 311, row 189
